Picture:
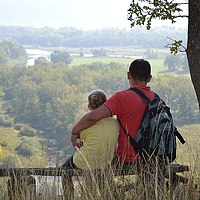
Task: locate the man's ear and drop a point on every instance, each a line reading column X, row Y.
column 149, row 79
column 129, row 75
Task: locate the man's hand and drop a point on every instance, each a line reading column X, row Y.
column 74, row 140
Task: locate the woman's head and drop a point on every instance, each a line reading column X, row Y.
column 96, row 99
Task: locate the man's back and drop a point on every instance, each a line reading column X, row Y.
column 129, row 108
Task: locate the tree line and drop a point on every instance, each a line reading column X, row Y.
column 10, row 52
column 52, row 97
column 73, row 37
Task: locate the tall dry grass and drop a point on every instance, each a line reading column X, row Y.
column 104, row 185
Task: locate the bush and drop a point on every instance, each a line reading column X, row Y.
column 5, row 121
column 26, row 130
column 26, row 149
column 18, row 126
column 10, row 161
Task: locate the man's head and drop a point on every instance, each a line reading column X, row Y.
column 140, row 70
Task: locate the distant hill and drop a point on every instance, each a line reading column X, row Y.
column 73, row 37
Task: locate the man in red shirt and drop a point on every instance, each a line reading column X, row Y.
column 127, row 106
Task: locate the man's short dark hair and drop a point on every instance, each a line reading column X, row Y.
column 140, row 69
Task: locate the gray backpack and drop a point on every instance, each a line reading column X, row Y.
column 157, row 134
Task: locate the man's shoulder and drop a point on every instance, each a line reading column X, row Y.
column 125, row 93
column 120, row 96
column 122, row 92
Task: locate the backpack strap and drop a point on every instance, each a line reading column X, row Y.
column 179, row 136
column 142, row 95
column 131, row 140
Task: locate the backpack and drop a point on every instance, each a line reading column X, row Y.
column 156, row 136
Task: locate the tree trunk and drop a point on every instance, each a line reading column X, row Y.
column 193, row 45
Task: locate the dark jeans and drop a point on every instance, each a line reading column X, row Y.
column 67, row 183
column 69, row 164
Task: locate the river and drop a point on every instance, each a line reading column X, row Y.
column 35, row 53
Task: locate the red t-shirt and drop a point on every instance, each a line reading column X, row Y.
column 129, row 108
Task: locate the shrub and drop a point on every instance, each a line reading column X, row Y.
column 27, row 131
column 10, row 161
column 5, row 121
column 18, row 126
column 26, row 149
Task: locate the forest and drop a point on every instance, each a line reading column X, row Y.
column 46, row 100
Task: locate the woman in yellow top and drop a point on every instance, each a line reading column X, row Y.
column 98, row 142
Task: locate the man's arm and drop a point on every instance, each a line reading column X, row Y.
column 88, row 120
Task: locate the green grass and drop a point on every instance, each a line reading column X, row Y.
column 85, row 60
column 157, row 64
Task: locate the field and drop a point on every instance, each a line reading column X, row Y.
column 123, row 55
column 157, row 64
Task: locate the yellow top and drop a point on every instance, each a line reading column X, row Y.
column 99, row 143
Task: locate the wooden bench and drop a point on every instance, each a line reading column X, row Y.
column 22, row 178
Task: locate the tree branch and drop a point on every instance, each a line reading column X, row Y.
column 175, row 46
column 183, row 3
column 180, row 16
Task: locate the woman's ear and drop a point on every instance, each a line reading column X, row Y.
column 89, row 106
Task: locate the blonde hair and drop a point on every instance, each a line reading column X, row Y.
column 96, row 99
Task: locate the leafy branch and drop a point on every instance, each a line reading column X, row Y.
column 142, row 12
column 176, row 46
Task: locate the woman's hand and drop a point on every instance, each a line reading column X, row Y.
column 75, row 140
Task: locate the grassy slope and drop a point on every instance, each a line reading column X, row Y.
column 10, row 139
column 189, row 152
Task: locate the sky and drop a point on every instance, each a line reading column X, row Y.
column 83, row 14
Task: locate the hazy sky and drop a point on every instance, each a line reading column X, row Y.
column 86, row 14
